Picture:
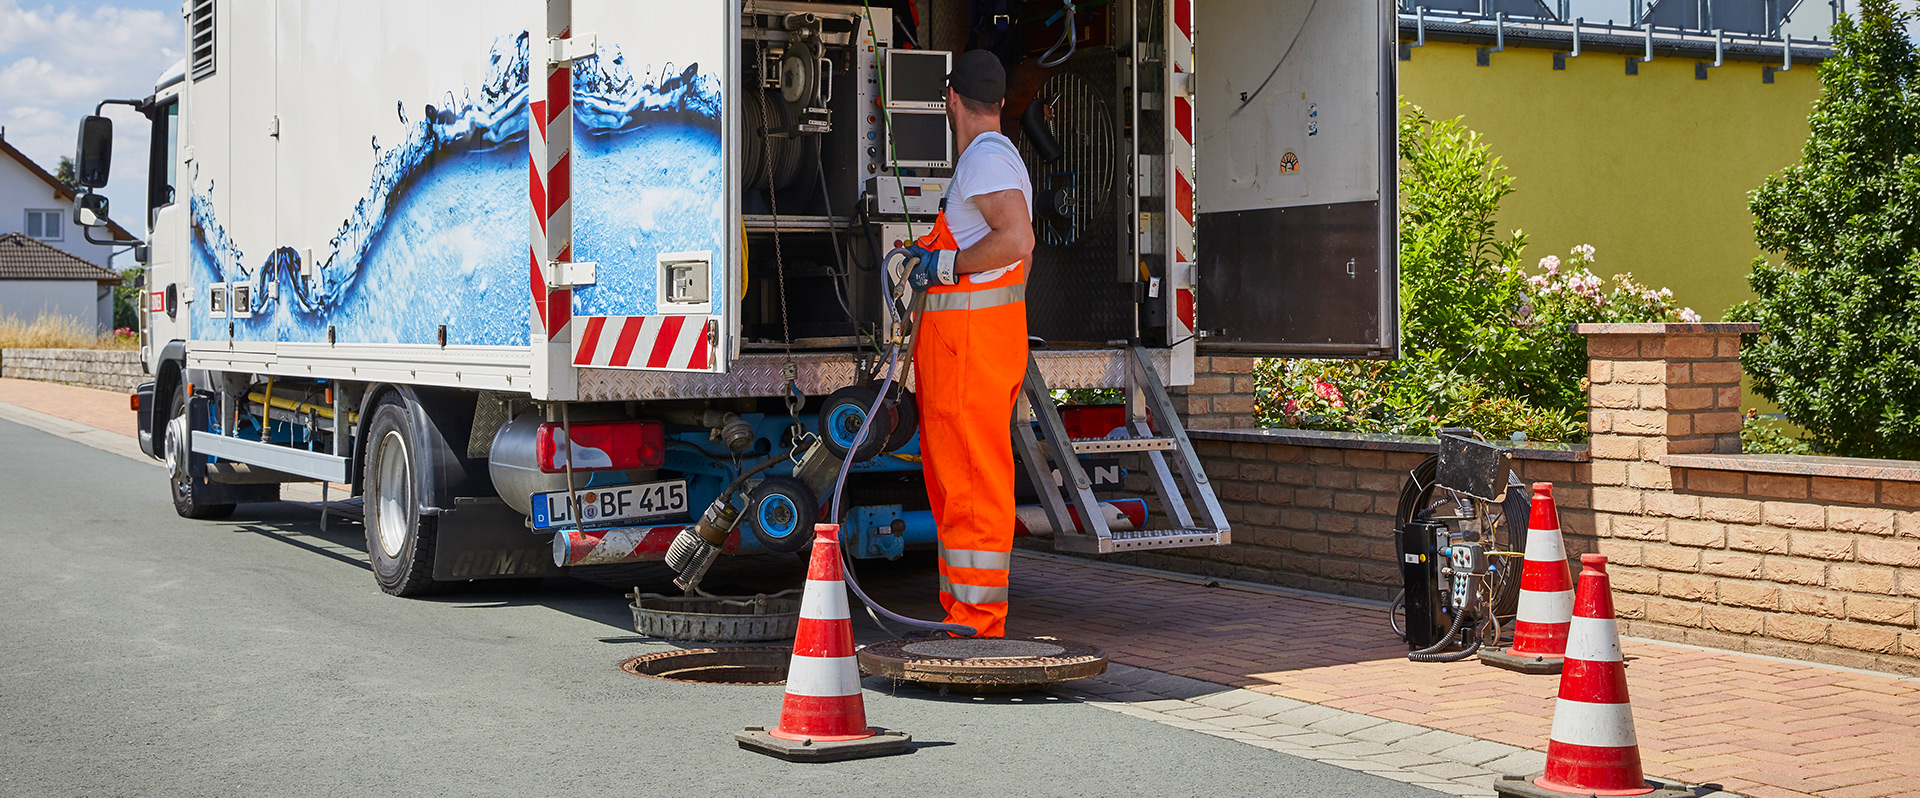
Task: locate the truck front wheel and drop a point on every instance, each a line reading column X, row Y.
column 186, row 490
column 400, row 540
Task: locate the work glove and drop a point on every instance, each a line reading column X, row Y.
column 931, row 267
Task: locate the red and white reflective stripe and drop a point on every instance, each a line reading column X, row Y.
column 1594, row 640
column 611, row 546
column 823, row 677
column 1180, row 222
column 550, row 186
column 824, row 601
column 1593, row 725
column 674, row 343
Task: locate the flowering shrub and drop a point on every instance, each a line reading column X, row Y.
column 1486, row 342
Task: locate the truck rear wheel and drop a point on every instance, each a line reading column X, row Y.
column 186, row 490
column 400, row 541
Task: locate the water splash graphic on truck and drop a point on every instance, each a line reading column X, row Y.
column 438, row 237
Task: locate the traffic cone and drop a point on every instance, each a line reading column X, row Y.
column 1546, row 595
column 823, row 717
column 1592, row 749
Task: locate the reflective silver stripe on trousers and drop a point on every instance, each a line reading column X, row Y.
column 975, row 558
column 973, row 594
column 977, row 300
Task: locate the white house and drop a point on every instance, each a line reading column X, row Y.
column 37, row 279
column 46, row 262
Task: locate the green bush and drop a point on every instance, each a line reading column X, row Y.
column 1761, row 436
column 1486, row 342
column 1839, row 305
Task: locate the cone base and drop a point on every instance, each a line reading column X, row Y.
column 883, row 742
column 1528, row 787
column 1524, row 663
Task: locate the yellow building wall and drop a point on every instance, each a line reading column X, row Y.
column 1652, row 169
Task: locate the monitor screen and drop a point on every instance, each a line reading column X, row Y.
column 920, row 138
column 917, row 78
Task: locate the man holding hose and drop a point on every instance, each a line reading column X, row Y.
column 970, row 352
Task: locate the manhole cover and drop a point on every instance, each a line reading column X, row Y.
column 1004, row 663
column 994, row 648
column 755, row 666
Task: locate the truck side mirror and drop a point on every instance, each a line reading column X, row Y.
column 90, row 210
column 94, row 157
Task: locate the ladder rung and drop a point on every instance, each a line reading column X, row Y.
column 1102, row 445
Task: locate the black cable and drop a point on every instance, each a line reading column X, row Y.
column 1276, row 67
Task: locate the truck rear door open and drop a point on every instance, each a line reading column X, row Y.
column 1295, row 105
column 653, row 202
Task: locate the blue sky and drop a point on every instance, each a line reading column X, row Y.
column 58, row 59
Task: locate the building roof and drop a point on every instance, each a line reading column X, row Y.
column 119, row 233
column 23, row 257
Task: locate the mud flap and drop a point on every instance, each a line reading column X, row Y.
column 486, row 539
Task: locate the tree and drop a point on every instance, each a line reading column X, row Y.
column 66, row 175
column 1839, row 298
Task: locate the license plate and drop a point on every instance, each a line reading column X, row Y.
column 611, row 504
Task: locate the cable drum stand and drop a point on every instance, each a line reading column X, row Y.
column 1458, row 533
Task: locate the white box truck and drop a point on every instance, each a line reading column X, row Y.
column 554, row 284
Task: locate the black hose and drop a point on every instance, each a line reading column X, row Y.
column 755, row 469
column 1430, row 653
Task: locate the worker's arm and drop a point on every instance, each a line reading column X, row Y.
column 1010, row 238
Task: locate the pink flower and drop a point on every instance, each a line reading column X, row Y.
column 1291, row 408
column 1327, row 391
column 1585, row 251
column 1551, row 263
column 1687, row 315
column 1537, row 281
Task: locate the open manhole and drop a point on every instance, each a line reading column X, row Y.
column 759, row 665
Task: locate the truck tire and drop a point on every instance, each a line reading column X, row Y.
column 400, row 540
column 186, row 490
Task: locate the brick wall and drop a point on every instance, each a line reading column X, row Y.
column 1221, row 396
column 1807, row 557
column 106, row 369
column 1804, row 557
column 1315, row 510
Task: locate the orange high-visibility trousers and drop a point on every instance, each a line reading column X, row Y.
column 969, row 360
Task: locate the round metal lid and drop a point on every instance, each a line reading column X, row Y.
column 983, row 661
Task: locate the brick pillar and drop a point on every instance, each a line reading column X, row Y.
column 1221, row 396
column 1656, row 389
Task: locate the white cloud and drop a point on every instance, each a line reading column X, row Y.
column 58, row 60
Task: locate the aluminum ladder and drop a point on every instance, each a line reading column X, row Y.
column 1172, row 464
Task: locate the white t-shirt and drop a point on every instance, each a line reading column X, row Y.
column 990, row 164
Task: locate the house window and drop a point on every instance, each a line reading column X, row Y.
column 46, row 225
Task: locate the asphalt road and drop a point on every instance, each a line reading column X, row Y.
column 146, row 654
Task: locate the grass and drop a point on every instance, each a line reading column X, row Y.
column 50, row 331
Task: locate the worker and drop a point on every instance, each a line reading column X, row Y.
column 970, row 353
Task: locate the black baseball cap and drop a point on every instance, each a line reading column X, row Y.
column 977, row 75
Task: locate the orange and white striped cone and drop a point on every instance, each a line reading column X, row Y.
column 1592, row 749
column 1546, row 595
column 823, row 717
